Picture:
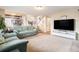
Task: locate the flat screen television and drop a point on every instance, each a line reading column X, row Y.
column 66, row 24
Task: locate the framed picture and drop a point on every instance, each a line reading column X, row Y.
column 17, row 22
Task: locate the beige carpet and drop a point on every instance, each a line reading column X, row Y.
column 50, row 43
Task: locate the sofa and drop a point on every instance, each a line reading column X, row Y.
column 13, row 44
column 26, row 31
column 8, row 33
column 21, row 32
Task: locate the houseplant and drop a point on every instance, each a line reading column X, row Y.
column 2, row 26
column 2, row 23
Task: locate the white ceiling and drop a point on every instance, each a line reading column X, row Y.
column 48, row 10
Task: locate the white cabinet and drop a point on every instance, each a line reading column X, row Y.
column 67, row 34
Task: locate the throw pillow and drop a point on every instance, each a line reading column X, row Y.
column 7, row 31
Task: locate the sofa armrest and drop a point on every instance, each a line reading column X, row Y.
column 15, row 31
column 14, row 44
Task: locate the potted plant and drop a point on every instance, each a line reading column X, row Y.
column 2, row 23
column 2, row 26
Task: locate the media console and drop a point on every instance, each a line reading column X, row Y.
column 65, row 33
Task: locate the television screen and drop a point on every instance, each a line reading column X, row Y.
column 67, row 24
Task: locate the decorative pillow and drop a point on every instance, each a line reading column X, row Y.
column 7, row 31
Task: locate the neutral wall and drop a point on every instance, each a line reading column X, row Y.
column 70, row 13
column 2, row 11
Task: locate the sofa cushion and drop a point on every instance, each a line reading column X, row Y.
column 18, row 28
column 12, row 38
column 30, row 27
column 23, row 28
column 6, row 35
column 25, row 32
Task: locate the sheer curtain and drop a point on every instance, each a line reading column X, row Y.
column 8, row 22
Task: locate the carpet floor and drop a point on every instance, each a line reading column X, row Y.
column 51, row 43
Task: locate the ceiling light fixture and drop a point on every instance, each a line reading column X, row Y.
column 39, row 7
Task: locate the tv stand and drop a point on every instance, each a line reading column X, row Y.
column 65, row 33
